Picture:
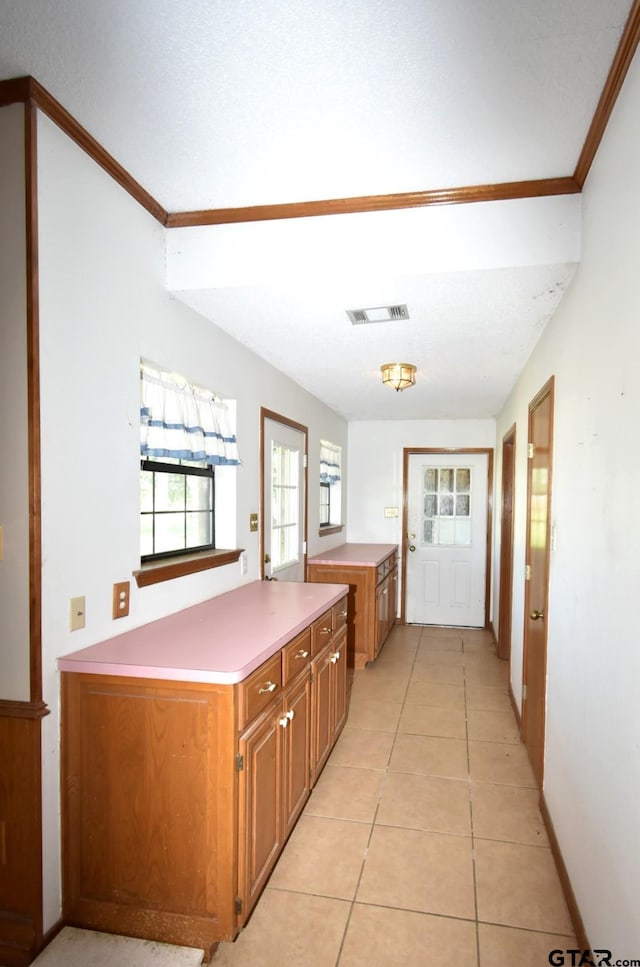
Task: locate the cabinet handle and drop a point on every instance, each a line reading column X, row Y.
column 269, row 687
column 302, row 654
column 334, row 657
column 286, row 718
column 386, row 591
column 326, row 631
column 343, row 614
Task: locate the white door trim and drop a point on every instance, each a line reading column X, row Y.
column 443, row 451
column 266, row 415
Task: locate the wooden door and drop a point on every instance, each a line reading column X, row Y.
column 540, row 465
column 321, row 730
column 447, row 529
column 260, row 833
column 506, row 544
column 296, row 758
column 339, row 684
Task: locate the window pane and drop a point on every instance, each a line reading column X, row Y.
column 463, row 480
column 198, row 529
column 446, row 481
column 169, row 532
column 430, row 505
column 428, row 532
column 462, row 505
column 463, row 531
column 146, row 535
column 431, row 479
column 146, row 491
column 169, row 491
column 446, row 506
column 198, row 493
column 446, row 529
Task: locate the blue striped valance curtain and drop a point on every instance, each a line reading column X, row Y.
column 181, row 420
column 330, row 462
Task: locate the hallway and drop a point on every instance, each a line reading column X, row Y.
column 422, row 842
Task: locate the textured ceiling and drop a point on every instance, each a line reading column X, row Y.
column 231, row 103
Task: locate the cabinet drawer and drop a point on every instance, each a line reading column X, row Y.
column 296, row 655
column 256, row 691
column 321, row 631
column 339, row 615
column 386, row 566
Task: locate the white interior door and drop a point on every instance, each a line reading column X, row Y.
column 284, row 501
column 446, row 540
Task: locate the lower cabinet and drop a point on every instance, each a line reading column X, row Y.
column 177, row 797
column 274, row 784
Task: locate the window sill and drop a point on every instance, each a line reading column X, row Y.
column 176, row 567
column 330, row 530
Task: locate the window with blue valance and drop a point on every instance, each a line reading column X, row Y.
column 180, row 420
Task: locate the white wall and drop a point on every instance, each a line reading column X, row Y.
column 103, row 305
column 592, row 756
column 375, row 462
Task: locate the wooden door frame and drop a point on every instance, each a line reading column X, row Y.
column 505, row 578
column 547, row 390
column 406, row 454
column 266, row 414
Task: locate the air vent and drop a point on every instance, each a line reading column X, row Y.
column 361, row 317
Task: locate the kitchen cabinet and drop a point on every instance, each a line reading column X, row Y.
column 371, row 571
column 181, row 780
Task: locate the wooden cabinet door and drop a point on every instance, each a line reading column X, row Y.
column 321, row 710
column 296, row 759
column 339, row 685
column 260, row 833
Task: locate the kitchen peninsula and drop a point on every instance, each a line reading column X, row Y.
column 189, row 748
column 371, row 571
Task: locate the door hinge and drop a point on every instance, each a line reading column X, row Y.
column 524, row 693
column 237, row 905
column 531, row 451
column 239, row 762
column 527, row 572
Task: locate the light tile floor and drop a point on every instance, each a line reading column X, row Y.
column 422, row 842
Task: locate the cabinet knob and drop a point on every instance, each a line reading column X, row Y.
column 286, row 718
column 334, row 657
column 302, row 654
column 343, row 614
column 269, row 687
column 326, row 631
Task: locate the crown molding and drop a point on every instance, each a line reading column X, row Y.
column 28, row 90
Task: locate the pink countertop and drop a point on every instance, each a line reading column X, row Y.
column 365, row 554
column 219, row 641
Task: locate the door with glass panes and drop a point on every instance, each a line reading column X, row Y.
column 446, row 539
column 284, row 447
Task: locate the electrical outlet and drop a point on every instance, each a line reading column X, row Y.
column 243, row 563
column 120, row 600
column 77, row 613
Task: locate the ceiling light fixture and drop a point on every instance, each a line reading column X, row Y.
column 398, row 375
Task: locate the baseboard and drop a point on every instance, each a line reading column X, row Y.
column 516, row 710
column 565, row 882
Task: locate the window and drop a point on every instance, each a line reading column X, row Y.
column 330, row 487
column 285, row 509
column 447, row 505
column 176, row 506
column 185, row 439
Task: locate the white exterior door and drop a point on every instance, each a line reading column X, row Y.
column 446, row 539
column 284, row 501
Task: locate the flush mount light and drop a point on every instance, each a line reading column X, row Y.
column 398, row 375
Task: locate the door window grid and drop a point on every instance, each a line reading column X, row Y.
column 285, row 501
column 447, row 506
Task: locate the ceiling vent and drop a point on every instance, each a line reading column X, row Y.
column 361, row 317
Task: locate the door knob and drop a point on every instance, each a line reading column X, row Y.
column 412, row 547
column 535, row 614
column 267, row 559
